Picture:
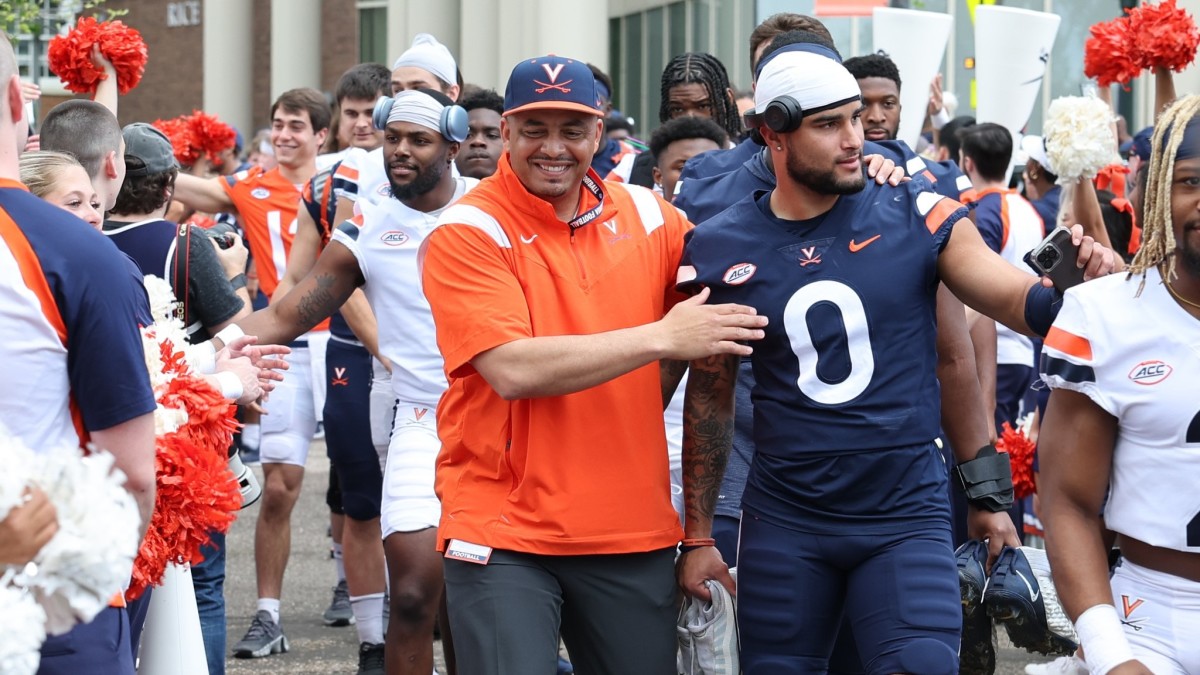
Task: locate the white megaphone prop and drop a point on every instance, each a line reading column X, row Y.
column 1012, row 54
column 171, row 641
column 916, row 41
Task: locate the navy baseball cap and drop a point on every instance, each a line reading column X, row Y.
column 1140, row 145
column 552, row 83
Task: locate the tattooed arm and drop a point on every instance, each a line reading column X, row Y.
column 707, row 438
column 671, row 372
column 324, row 289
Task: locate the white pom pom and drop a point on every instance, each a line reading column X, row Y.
column 91, row 557
column 23, row 625
column 1079, row 137
column 16, row 460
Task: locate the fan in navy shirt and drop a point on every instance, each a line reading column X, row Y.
column 846, row 510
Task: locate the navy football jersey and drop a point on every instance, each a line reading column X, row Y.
column 848, row 364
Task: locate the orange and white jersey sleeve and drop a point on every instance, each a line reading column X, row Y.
column 1138, row 358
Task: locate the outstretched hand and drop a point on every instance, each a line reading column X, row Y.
column 694, row 329
column 262, row 357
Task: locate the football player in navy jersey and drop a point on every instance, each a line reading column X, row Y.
column 845, row 509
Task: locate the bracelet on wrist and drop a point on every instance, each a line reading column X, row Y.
column 238, row 281
column 692, row 544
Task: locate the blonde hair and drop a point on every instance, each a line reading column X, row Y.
column 1158, row 230
column 40, row 170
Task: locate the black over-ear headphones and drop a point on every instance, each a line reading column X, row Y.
column 782, row 115
column 452, row 124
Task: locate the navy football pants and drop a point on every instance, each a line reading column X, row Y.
column 348, row 429
column 898, row 593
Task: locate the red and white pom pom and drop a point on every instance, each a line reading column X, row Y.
column 196, row 493
column 1165, row 35
column 70, row 55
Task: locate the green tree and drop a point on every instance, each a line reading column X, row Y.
column 29, row 17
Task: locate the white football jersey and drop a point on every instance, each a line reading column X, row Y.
column 1022, row 233
column 385, row 244
column 1138, row 358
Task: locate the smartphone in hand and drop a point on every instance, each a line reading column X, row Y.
column 1056, row 257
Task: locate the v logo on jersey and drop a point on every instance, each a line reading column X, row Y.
column 418, row 413
column 856, row 247
column 810, row 256
column 612, row 226
column 339, row 378
column 1130, row 607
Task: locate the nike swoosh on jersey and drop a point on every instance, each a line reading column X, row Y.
column 855, row 247
column 529, row 240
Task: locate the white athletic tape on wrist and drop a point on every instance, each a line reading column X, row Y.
column 203, row 358
column 1103, row 639
column 231, row 385
column 229, row 334
column 939, row 119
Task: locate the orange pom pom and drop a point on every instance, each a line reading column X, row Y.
column 1109, row 54
column 70, row 55
column 1020, row 456
column 1166, row 35
column 182, row 137
column 212, row 135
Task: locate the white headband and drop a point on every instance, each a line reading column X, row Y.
column 815, row 81
column 417, row 107
column 428, row 54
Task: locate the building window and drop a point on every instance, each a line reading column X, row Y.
column 372, row 32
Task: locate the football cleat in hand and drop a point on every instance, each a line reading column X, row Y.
column 1021, row 595
column 977, row 651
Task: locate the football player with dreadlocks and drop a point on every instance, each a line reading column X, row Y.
column 1124, row 422
column 694, row 84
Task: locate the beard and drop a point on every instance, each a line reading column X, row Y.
column 1189, row 255
column 825, row 181
column 427, row 179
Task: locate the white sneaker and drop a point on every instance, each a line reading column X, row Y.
column 1063, row 665
column 707, row 634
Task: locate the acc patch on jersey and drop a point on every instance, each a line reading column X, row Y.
column 739, row 273
column 1149, row 373
column 260, row 193
column 393, row 238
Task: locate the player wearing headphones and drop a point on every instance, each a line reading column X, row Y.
column 377, row 250
column 850, row 516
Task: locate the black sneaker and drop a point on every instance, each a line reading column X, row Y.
column 977, row 651
column 1022, row 597
column 370, row 659
column 264, row 638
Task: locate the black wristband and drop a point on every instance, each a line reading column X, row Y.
column 238, row 282
column 987, row 480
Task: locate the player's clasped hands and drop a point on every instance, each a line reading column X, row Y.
column 694, row 329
